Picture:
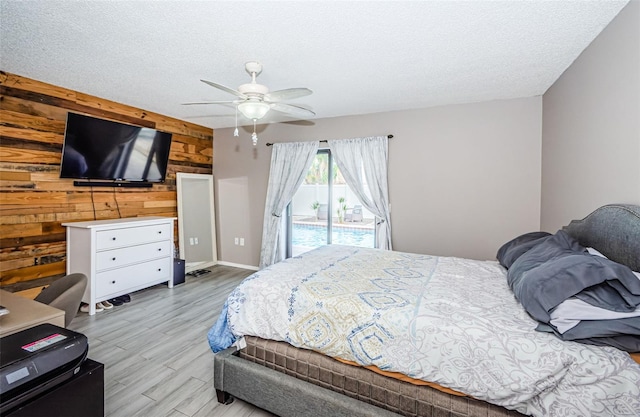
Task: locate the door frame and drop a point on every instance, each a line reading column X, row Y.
column 289, row 214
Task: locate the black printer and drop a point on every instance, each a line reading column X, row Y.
column 34, row 360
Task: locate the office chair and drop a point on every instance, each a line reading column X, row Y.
column 65, row 294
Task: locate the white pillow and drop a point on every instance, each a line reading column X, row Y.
column 595, row 252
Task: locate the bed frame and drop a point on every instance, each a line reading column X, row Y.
column 614, row 230
column 282, row 394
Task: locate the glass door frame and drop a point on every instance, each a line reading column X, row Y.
column 289, row 223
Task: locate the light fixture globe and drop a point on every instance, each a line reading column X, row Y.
column 253, row 110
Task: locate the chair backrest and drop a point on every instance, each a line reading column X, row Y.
column 66, row 294
column 357, row 209
column 323, row 211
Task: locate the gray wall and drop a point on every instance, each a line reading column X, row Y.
column 195, row 207
column 591, row 126
column 463, row 179
column 235, row 208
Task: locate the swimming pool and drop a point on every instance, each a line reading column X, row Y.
column 313, row 236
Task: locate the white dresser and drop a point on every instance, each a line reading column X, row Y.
column 120, row 256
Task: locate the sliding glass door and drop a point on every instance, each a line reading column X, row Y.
column 325, row 211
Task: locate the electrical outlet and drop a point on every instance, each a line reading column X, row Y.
column 191, row 241
column 241, row 241
column 196, row 240
column 36, row 261
column 236, row 240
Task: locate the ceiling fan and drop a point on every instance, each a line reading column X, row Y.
column 254, row 100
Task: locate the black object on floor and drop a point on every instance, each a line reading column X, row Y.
column 116, row 301
column 178, row 271
column 198, row 272
column 125, row 298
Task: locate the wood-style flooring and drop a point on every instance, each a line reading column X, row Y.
column 155, row 351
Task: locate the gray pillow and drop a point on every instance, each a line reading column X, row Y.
column 513, row 249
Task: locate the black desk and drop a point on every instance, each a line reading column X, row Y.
column 80, row 396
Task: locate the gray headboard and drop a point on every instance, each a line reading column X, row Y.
column 614, row 230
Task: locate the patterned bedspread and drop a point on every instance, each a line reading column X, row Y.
column 447, row 320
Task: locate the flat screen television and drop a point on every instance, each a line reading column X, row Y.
column 98, row 149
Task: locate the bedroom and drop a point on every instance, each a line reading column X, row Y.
column 595, row 97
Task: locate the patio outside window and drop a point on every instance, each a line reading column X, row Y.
column 324, row 210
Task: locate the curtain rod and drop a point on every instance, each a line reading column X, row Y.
column 325, row 141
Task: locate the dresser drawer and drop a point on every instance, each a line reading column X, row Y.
column 116, row 258
column 134, row 276
column 117, row 238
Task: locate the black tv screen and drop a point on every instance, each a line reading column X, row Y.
column 105, row 150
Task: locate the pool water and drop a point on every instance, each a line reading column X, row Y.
column 311, row 236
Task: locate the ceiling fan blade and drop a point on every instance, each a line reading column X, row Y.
column 223, row 88
column 293, row 109
column 287, row 94
column 209, row 102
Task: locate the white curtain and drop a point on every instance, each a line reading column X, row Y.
column 353, row 156
column 289, row 165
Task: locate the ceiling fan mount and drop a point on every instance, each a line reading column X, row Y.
column 254, row 68
column 253, row 89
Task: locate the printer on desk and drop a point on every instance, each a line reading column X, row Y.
column 37, row 359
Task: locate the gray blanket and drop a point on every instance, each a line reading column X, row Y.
column 544, row 270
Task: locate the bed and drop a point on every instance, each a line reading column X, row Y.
column 345, row 331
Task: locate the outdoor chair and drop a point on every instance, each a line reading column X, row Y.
column 354, row 214
column 323, row 212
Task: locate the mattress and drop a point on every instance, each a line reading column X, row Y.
column 357, row 382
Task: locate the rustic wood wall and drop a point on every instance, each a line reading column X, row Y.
column 34, row 201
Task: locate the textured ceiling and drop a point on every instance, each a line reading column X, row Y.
column 357, row 56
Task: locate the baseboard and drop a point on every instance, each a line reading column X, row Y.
column 234, row 265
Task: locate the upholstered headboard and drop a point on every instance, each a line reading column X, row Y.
column 614, row 230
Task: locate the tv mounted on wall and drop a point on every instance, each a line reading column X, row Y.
column 123, row 154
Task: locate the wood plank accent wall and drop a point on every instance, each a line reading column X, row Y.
column 34, row 201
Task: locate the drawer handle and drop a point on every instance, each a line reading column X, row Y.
column 113, row 282
column 160, row 232
column 159, row 269
column 159, row 249
column 113, row 238
column 113, row 259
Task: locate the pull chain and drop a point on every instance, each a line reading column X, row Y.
column 235, row 132
column 254, row 136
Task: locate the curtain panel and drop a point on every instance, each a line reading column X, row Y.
column 368, row 155
column 289, row 165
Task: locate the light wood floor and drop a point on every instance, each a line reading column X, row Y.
column 155, row 351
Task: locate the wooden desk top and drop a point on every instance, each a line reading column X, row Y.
column 25, row 313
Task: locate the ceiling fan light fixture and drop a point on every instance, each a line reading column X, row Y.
column 253, row 110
